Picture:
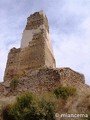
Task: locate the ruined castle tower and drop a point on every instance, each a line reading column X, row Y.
column 36, row 48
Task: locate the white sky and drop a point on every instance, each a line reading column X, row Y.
column 69, row 22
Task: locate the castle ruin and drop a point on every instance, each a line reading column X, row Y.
column 36, row 48
column 34, row 63
column 34, row 66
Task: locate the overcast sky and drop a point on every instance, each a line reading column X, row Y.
column 69, row 23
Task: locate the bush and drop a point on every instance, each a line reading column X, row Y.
column 27, row 107
column 64, row 92
column 14, row 83
column 47, row 109
column 6, row 113
column 87, row 118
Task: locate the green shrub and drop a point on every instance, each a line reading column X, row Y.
column 86, row 118
column 14, row 83
column 64, row 92
column 6, row 113
column 47, row 109
column 27, row 107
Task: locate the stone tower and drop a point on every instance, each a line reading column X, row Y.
column 36, row 48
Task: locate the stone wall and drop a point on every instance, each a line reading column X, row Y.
column 35, row 23
column 49, row 59
column 28, row 58
column 70, row 75
column 45, row 79
column 12, row 64
column 37, row 19
column 36, row 53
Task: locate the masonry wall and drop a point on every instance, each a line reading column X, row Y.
column 49, row 59
column 35, row 23
column 36, row 48
column 31, row 57
column 36, row 55
column 12, row 64
column 45, row 79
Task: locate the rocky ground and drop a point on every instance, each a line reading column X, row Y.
column 44, row 80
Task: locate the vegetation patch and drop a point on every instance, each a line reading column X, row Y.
column 64, row 92
column 86, row 118
column 27, row 107
column 14, row 83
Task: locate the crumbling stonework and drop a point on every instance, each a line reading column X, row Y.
column 36, row 49
column 37, row 19
column 45, row 79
